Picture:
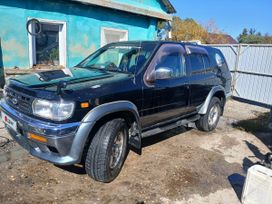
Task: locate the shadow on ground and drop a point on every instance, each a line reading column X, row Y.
column 257, row 126
column 237, row 182
column 152, row 140
column 76, row 169
column 247, row 162
column 148, row 141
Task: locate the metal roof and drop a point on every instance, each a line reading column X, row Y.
column 133, row 9
column 169, row 6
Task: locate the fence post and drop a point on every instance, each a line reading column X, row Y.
column 236, row 68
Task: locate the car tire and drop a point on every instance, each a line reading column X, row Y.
column 209, row 121
column 107, row 151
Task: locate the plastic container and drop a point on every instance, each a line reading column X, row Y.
column 258, row 186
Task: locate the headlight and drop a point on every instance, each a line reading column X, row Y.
column 54, row 110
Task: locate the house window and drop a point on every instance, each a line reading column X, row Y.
column 49, row 47
column 109, row 35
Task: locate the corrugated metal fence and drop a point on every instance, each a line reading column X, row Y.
column 251, row 67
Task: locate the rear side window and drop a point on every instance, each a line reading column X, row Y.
column 196, row 62
column 206, row 61
column 199, row 63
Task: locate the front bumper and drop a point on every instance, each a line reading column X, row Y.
column 65, row 142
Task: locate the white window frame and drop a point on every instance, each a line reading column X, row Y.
column 62, row 42
column 106, row 29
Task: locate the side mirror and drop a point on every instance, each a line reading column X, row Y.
column 163, row 73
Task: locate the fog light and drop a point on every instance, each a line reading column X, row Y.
column 37, row 137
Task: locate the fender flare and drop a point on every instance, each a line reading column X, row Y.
column 112, row 107
column 94, row 115
column 204, row 108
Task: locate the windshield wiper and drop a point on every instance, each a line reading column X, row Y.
column 119, row 71
column 105, row 70
column 93, row 67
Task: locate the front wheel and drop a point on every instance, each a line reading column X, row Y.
column 209, row 121
column 107, row 151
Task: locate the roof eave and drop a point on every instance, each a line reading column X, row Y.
column 127, row 8
column 171, row 9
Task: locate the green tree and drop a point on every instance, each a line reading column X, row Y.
column 245, row 32
column 251, row 36
column 252, row 31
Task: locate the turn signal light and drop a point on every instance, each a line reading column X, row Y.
column 84, row 105
column 37, row 137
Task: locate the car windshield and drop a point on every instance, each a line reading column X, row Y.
column 120, row 57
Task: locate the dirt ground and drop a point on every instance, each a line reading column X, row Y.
column 179, row 166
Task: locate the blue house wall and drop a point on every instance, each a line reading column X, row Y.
column 83, row 32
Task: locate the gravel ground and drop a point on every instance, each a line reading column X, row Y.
column 179, row 166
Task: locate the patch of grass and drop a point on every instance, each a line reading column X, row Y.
column 258, row 124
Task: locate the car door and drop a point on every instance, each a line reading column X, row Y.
column 170, row 95
column 201, row 76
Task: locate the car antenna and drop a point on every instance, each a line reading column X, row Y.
column 61, row 85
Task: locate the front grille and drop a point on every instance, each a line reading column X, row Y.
column 18, row 101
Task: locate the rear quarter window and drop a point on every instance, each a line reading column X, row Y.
column 220, row 61
column 217, row 58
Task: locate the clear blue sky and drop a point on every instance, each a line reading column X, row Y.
column 231, row 16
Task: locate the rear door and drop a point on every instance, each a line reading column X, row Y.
column 202, row 76
column 170, row 96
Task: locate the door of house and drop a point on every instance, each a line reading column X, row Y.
column 109, row 35
column 48, row 48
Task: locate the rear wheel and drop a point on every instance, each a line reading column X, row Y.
column 209, row 121
column 107, row 151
